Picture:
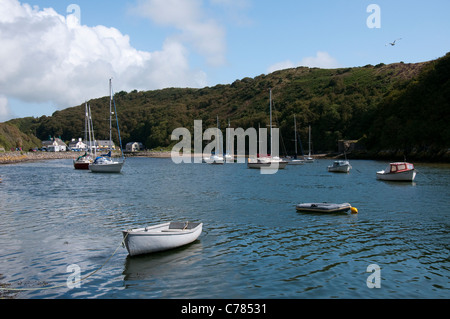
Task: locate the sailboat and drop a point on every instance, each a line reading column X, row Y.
column 309, row 159
column 83, row 161
column 105, row 163
column 228, row 156
column 295, row 160
column 216, row 158
column 268, row 161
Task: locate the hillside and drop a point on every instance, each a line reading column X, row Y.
column 11, row 138
column 385, row 106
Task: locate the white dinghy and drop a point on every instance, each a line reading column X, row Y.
column 340, row 167
column 160, row 237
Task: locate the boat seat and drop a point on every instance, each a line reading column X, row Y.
column 182, row 225
column 172, row 230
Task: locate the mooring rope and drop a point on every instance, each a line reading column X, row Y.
column 75, row 282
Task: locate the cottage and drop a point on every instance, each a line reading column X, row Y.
column 54, row 145
column 77, row 145
column 134, row 147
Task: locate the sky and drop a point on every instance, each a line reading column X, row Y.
column 58, row 54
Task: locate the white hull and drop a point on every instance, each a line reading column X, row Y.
column 214, row 160
column 296, row 162
column 111, row 167
column 161, row 237
column 340, row 167
column 266, row 163
column 407, row 176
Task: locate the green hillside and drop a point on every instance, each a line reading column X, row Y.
column 11, row 138
column 395, row 106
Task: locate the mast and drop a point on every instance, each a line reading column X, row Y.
column 295, row 132
column 110, row 110
column 309, row 142
column 217, row 138
column 91, row 132
column 86, row 119
column 270, row 106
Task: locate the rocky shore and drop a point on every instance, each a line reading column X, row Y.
column 17, row 157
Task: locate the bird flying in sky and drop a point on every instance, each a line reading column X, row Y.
column 393, row 43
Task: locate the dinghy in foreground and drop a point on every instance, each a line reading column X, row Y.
column 160, row 237
column 325, row 208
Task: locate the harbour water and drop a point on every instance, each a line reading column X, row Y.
column 254, row 244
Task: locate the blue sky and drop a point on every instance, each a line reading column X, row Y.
column 51, row 60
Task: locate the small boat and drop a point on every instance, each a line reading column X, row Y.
column 82, row 162
column 160, row 237
column 214, row 159
column 295, row 160
column 105, row 163
column 309, row 159
column 398, row 171
column 340, row 167
column 325, row 208
column 267, row 161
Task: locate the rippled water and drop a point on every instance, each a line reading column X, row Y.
column 254, row 244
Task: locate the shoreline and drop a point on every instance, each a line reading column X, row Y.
column 20, row 156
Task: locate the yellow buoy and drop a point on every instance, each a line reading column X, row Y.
column 354, row 210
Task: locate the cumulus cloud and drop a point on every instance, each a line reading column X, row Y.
column 320, row 60
column 204, row 34
column 47, row 57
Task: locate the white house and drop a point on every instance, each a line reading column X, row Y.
column 77, row 145
column 134, row 146
column 55, row 145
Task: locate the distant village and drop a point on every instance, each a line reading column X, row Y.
column 55, row 144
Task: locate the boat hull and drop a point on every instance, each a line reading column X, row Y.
column 340, row 168
column 296, row 162
column 404, row 176
column 160, row 237
column 323, row 207
column 114, row 167
column 269, row 163
column 81, row 165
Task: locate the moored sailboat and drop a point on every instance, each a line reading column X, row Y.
column 267, row 161
column 106, row 163
column 83, row 161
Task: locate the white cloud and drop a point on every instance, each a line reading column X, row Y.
column 322, row 60
column 49, row 58
column 204, row 34
column 281, row 66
